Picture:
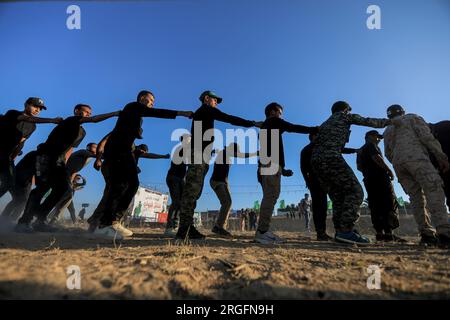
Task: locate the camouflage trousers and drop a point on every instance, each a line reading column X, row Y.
column 192, row 191
column 424, row 186
column 340, row 183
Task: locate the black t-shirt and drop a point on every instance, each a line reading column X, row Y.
column 206, row 116
column 367, row 165
column 178, row 170
column 129, row 127
column 221, row 168
column 12, row 131
column 67, row 134
column 78, row 161
column 282, row 126
column 26, row 168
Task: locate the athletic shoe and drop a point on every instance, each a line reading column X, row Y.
column 122, row 230
column 428, row 240
column 23, row 228
column 352, row 237
column 41, row 226
column 108, row 233
column 323, row 236
column 92, row 227
column 268, row 238
column 221, row 232
column 190, row 233
column 170, row 232
column 393, row 238
column 444, row 240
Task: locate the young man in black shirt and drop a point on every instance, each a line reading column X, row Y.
column 15, row 128
column 219, row 184
column 51, row 171
column 119, row 166
column 380, row 192
column 272, row 167
column 203, row 121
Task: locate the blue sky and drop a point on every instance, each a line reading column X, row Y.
column 302, row 54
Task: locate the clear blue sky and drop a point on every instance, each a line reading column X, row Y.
column 303, row 54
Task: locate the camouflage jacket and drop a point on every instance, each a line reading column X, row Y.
column 334, row 133
column 409, row 138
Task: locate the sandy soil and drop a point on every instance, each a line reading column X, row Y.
column 152, row 266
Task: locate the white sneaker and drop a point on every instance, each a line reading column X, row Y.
column 170, row 232
column 108, row 233
column 122, row 230
column 268, row 238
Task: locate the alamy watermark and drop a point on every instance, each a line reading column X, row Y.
column 73, row 281
column 199, row 150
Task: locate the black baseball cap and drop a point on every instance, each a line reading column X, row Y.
column 374, row 133
column 394, row 110
column 37, row 102
column 211, row 94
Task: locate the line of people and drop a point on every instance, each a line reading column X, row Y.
column 324, row 168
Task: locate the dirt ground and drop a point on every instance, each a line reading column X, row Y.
column 152, row 266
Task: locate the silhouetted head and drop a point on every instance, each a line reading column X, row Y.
column 341, row 106
column 395, row 110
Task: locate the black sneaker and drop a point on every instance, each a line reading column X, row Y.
column 322, row 236
column 221, row 232
column 41, row 226
column 428, row 240
column 393, row 238
column 23, row 228
column 190, row 233
column 444, row 241
column 380, row 237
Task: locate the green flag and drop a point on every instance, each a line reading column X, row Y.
column 282, row 204
column 401, row 202
column 256, row 205
column 330, row 205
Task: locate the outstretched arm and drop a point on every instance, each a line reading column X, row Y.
column 100, row 151
column 26, row 118
column 246, row 154
column 368, row 122
column 148, row 155
column 289, row 127
column 100, row 117
column 224, row 117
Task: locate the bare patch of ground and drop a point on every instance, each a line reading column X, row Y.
column 152, row 266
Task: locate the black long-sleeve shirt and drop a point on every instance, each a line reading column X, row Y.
column 129, row 127
column 205, row 115
column 274, row 123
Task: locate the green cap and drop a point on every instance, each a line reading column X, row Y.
column 211, row 94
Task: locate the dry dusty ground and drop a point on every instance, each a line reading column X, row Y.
column 151, row 266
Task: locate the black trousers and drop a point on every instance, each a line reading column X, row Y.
column 15, row 207
column 319, row 205
column 122, row 175
column 382, row 203
column 6, row 176
column 51, row 174
column 94, row 219
column 175, row 185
